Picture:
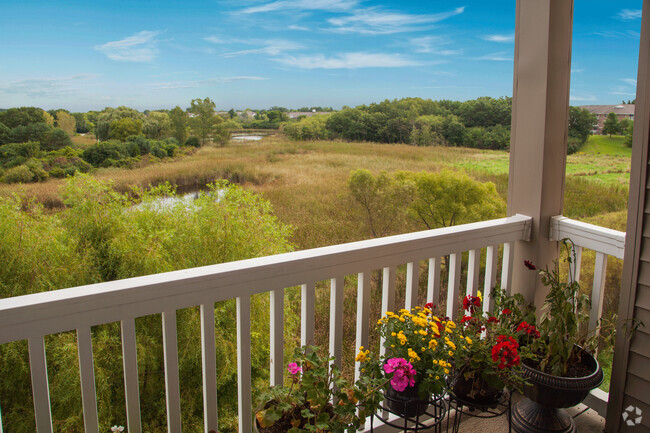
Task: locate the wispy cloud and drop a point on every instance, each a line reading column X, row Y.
column 577, row 70
column 501, row 56
column 141, row 47
column 373, row 21
column 296, row 27
column 582, row 98
column 272, row 47
column 202, row 83
column 348, row 61
column 630, row 81
column 214, row 40
column 46, row 87
column 509, row 38
column 618, row 35
column 629, row 14
column 432, row 45
column 303, row 5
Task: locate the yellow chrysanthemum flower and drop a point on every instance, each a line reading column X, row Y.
column 469, row 340
column 451, row 353
column 479, row 295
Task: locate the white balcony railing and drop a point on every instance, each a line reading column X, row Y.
column 32, row 317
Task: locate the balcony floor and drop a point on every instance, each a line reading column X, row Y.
column 587, row 421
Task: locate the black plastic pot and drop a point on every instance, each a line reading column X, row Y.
column 405, row 403
column 474, row 391
column 542, row 411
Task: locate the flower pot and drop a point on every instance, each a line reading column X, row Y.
column 474, row 391
column 405, row 403
column 542, row 411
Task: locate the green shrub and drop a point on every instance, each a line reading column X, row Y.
column 19, row 174
column 193, row 142
column 98, row 153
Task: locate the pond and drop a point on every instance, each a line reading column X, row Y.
column 246, row 137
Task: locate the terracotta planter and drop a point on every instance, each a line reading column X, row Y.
column 542, row 411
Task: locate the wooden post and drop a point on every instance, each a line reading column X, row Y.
column 540, row 116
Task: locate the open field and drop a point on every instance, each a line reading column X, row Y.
column 606, row 145
column 306, row 181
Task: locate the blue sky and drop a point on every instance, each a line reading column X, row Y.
column 258, row 53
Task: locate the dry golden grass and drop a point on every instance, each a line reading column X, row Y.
column 83, row 140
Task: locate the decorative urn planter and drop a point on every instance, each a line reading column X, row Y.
column 542, row 409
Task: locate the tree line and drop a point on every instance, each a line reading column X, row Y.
column 482, row 123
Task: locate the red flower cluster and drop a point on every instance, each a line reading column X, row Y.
column 465, row 319
column 429, row 305
column 493, row 319
column 529, row 329
column 471, row 303
column 506, row 312
column 505, row 351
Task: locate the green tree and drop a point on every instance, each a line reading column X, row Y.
column 56, row 139
column 381, row 200
column 205, row 118
column 611, row 124
column 157, row 125
column 66, row 122
column 447, row 198
column 49, row 120
column 23, row 116
column 125, row 127
column 179, row 126
column 581, row 123
column 629, row 133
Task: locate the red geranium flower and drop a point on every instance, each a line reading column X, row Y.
column 530, row 265
column 505, row 352
column 471, row 303
column 493, row 319
column 506, row 312
column 529, row 329
column 465, row 319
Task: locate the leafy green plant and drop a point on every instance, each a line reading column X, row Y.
column 318, row 398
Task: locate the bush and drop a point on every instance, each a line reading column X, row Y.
column 56, row 139
column 98, row 153
column 19, row 174
column 193, row 142
column 14, row 154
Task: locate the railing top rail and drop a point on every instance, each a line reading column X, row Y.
column 46, row 313
column 590, row 236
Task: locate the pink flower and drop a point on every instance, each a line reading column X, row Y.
column 293, row 368
column 403, row 373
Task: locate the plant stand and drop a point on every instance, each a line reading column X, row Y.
column 430, row 420
column 501, row 407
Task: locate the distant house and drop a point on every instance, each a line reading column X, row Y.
column 623, row 111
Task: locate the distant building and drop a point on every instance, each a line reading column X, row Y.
column 623, row 111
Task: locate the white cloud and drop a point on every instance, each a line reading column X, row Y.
column 46, row 87
column 202, row 83
column 372, row 21
column 141, row 47
column 271, row 47
column 630, row 14
column 500, row 38
column 577, row 98
column 214, row 40
column 348, row 61
column 303, row 5
column 501, row 56
column 432, row 45
column 630, row 81
column 296, row 27
column 577, row 71
column 615, row 34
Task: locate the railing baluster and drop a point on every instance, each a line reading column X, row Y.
column 130, row 363
column 87, row 376
column 40, row 385
column 1, row 420
column 597, row 294
column 412, row 280
column 336, row 319
column 244, row 397
column 277, row 336
column 363, row 315
column 473, row 269
column 491, row 256
column 433, row 284
column 506, row 270
column 387, row 298
column 307, row 313
column 453, row 284
column 170, row 355
column 209, row 367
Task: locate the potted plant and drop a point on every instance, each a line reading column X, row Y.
column 559, row 366
column 418, row 346
column 318, row 399
column 486, row 358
